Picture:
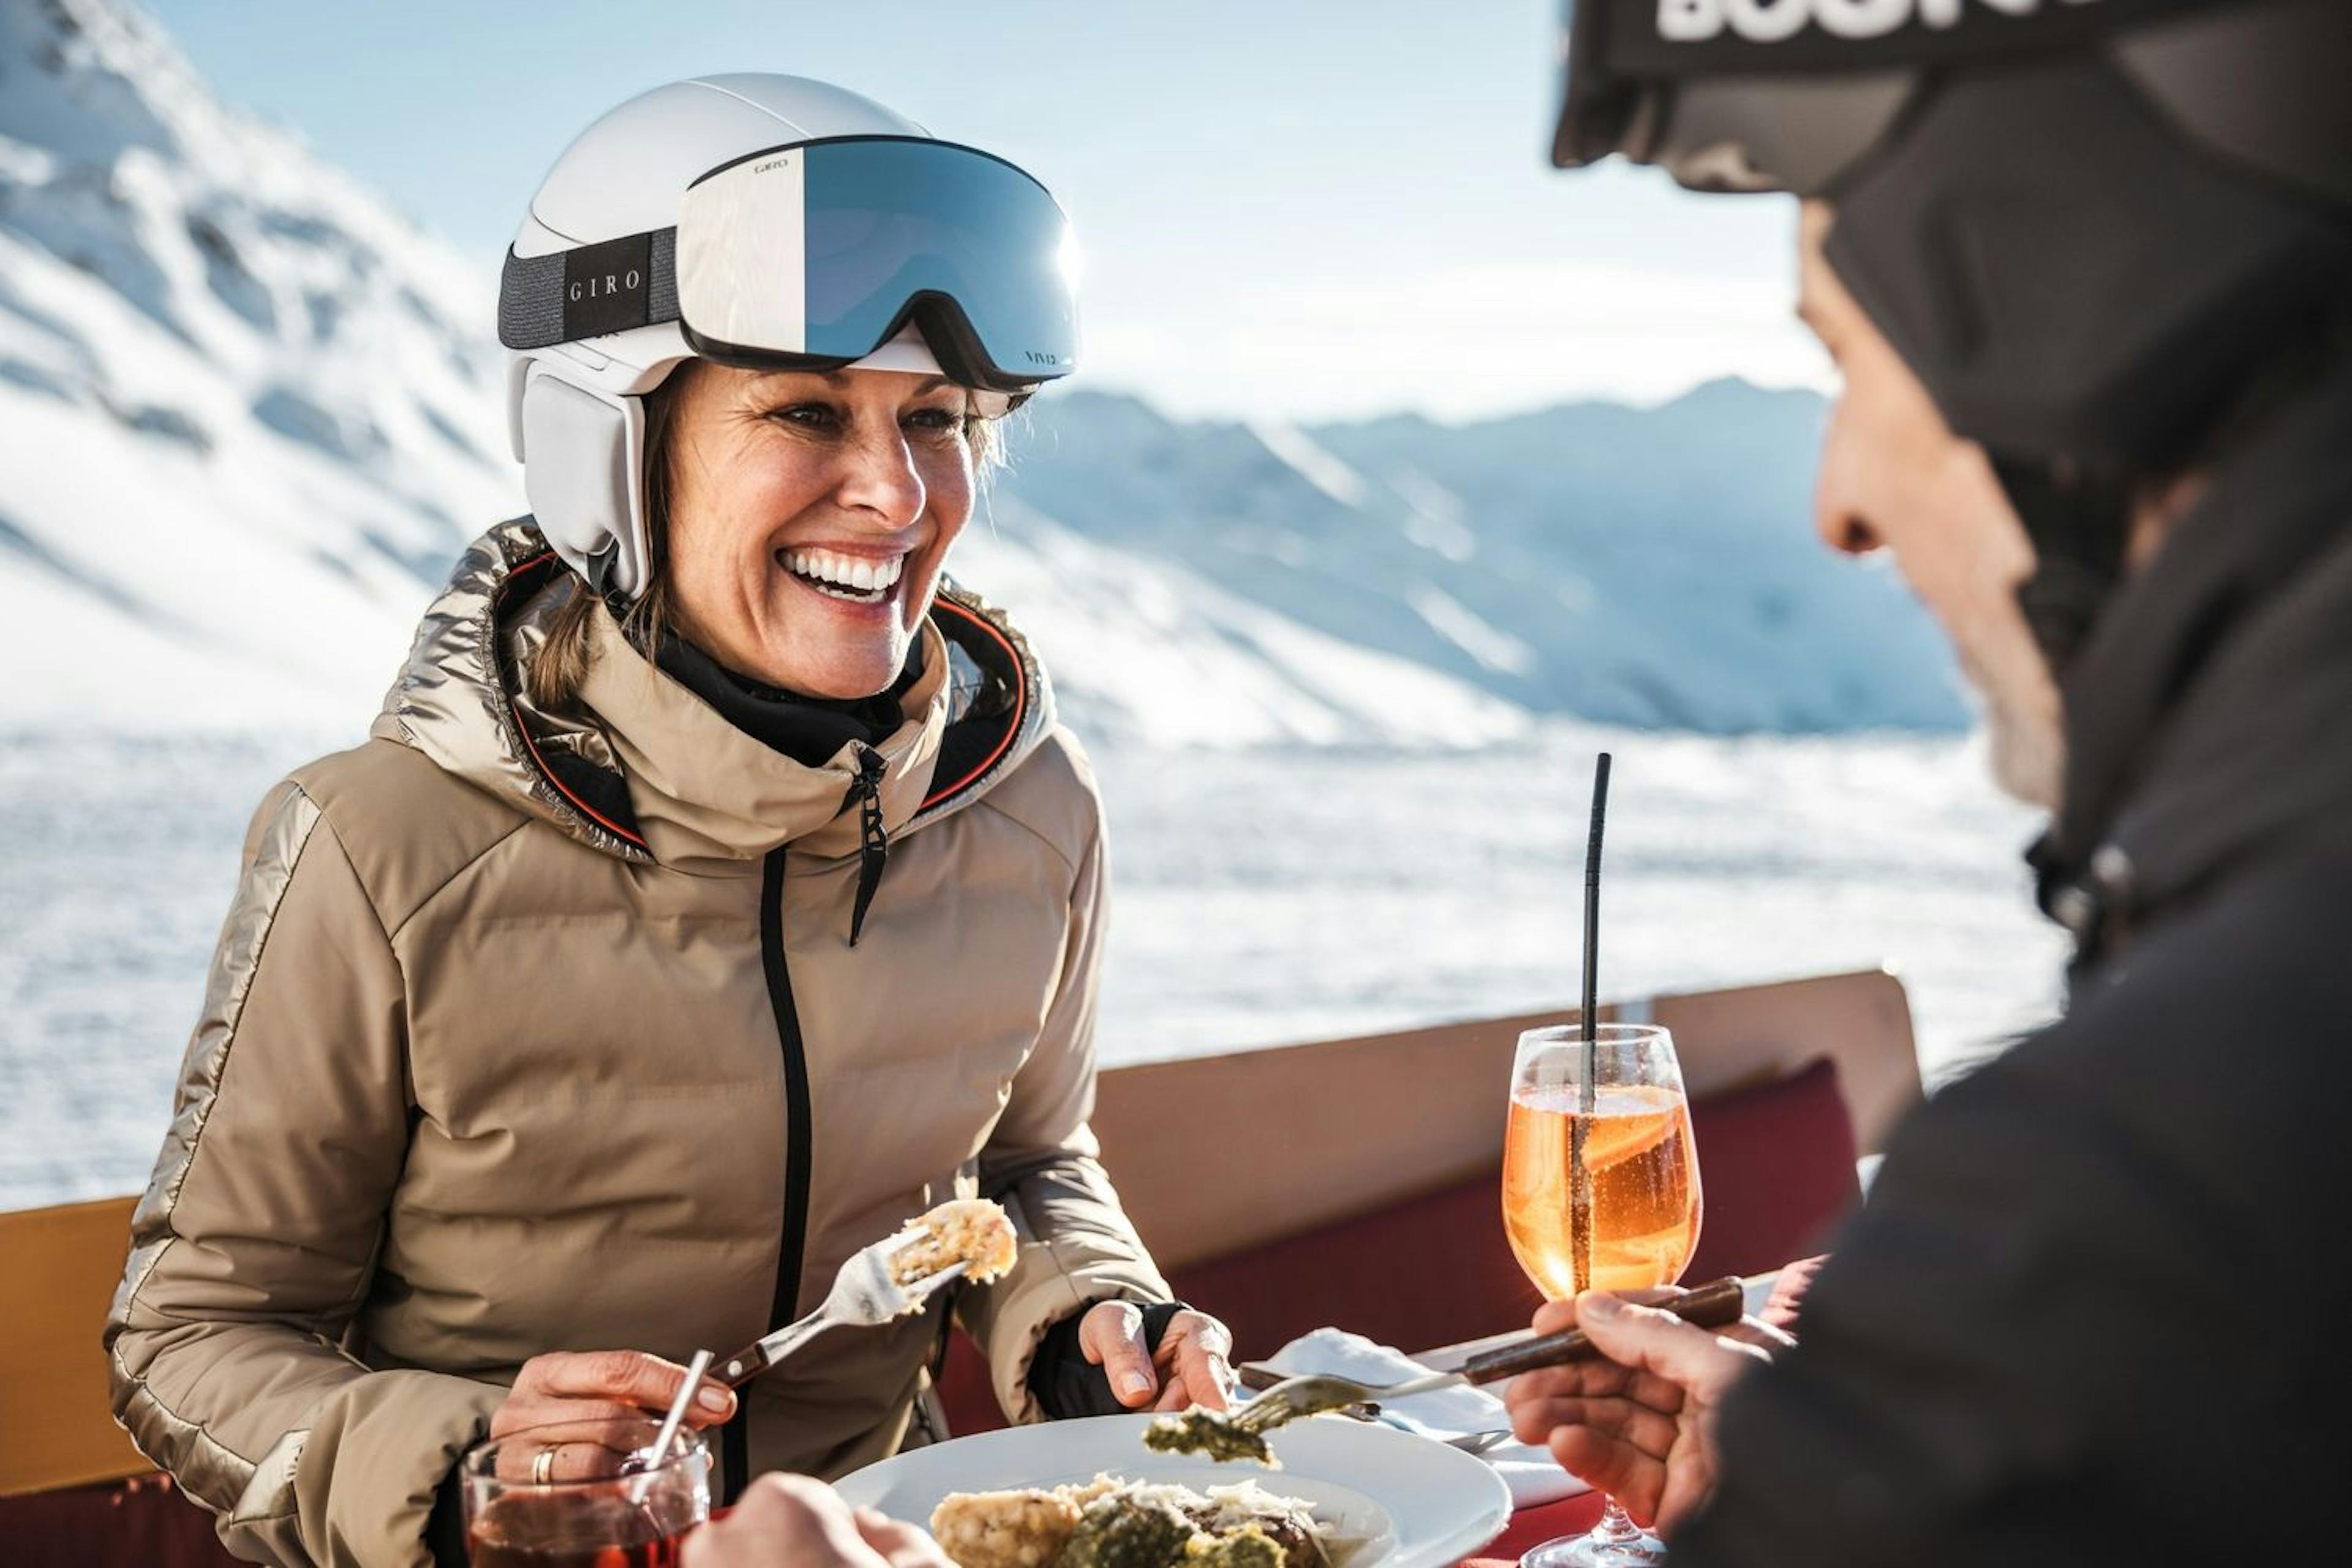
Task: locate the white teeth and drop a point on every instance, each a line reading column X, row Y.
column 852, row 596
column 833, row 569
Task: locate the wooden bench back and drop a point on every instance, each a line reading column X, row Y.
column 61, row 1265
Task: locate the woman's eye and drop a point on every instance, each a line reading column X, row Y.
column 810, row 416
column 935, row 419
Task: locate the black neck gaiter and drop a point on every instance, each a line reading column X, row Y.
column 811, row 730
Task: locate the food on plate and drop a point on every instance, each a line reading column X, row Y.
column 971, row 1231
column 1209, row 1434
column 1024, row 1529
column 1225, row 1512
column 1248, row 1547
column 1114, row 1523
column 1118, row 1531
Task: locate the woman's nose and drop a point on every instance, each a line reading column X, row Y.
column 879, row 477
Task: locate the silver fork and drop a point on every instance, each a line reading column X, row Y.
column 1712, row 1305
column 1295, row 1396
column 1468, row 1442
column 865, row 1294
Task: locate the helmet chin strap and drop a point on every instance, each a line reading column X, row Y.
column 600, row 572
column 2079, row 524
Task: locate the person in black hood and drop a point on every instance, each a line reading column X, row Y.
column 2087, row 271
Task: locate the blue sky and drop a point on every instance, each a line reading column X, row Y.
column 1301, row 210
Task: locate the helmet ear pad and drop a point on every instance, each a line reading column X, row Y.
column 584, row 473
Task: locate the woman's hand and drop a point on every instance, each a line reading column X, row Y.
column 1639, row 1425
column 592, row 1399
column 790, row 1521
column 1190, row 1367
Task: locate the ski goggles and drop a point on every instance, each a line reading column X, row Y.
column 1791, row 95
column 811, row 255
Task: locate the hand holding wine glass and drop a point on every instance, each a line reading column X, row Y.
column 1639, row 1425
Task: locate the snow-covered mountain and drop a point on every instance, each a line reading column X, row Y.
column 248, row 415
column 1650, row 567
column 243, row 407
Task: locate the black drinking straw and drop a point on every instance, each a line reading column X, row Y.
column 1579, row 1212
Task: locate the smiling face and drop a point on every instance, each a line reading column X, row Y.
column 1892, row 474
column 808, row 517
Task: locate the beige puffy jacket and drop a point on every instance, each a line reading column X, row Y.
column 533, row 1032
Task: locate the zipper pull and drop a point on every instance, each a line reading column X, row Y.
column 873, row 842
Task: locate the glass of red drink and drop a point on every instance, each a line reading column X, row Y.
column 584, row 1496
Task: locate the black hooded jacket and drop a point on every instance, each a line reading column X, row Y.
column 2096, row 1308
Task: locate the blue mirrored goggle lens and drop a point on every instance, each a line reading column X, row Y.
column 889, row 222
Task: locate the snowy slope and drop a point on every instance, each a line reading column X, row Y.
column 241, row 406
column 248, row 415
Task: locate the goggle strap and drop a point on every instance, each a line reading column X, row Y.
column 589, row 290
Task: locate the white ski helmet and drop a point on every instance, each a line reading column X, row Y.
column 760, row 220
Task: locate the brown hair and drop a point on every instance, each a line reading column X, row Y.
column 561, row 662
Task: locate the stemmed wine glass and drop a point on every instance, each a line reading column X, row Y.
column 1642, row 1169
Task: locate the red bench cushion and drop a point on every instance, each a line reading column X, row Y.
column 1775, row 1167
column 144, row 1520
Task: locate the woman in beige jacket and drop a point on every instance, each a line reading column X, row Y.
column 663, row 945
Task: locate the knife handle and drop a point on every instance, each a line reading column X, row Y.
column 742, row 1367
column 760, row 1355
column 1710, row 1306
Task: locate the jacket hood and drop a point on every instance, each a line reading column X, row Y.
column 2209, row 720
column 640, row 768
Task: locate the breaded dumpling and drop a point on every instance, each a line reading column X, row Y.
column 1004, row 1530
column 971, row 1231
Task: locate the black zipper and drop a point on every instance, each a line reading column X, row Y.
column 735, row 1447
column 873, row 839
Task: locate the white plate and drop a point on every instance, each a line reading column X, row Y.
column 1413, row 1503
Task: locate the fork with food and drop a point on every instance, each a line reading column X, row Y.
column 964, row 1238
column 1241, row 1436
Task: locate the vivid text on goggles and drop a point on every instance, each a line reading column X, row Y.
column 811, row 255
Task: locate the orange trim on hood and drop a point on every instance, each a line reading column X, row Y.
column 1019, row 702
column 523, row 729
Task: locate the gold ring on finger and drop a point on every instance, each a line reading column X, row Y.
column 543, row 1468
